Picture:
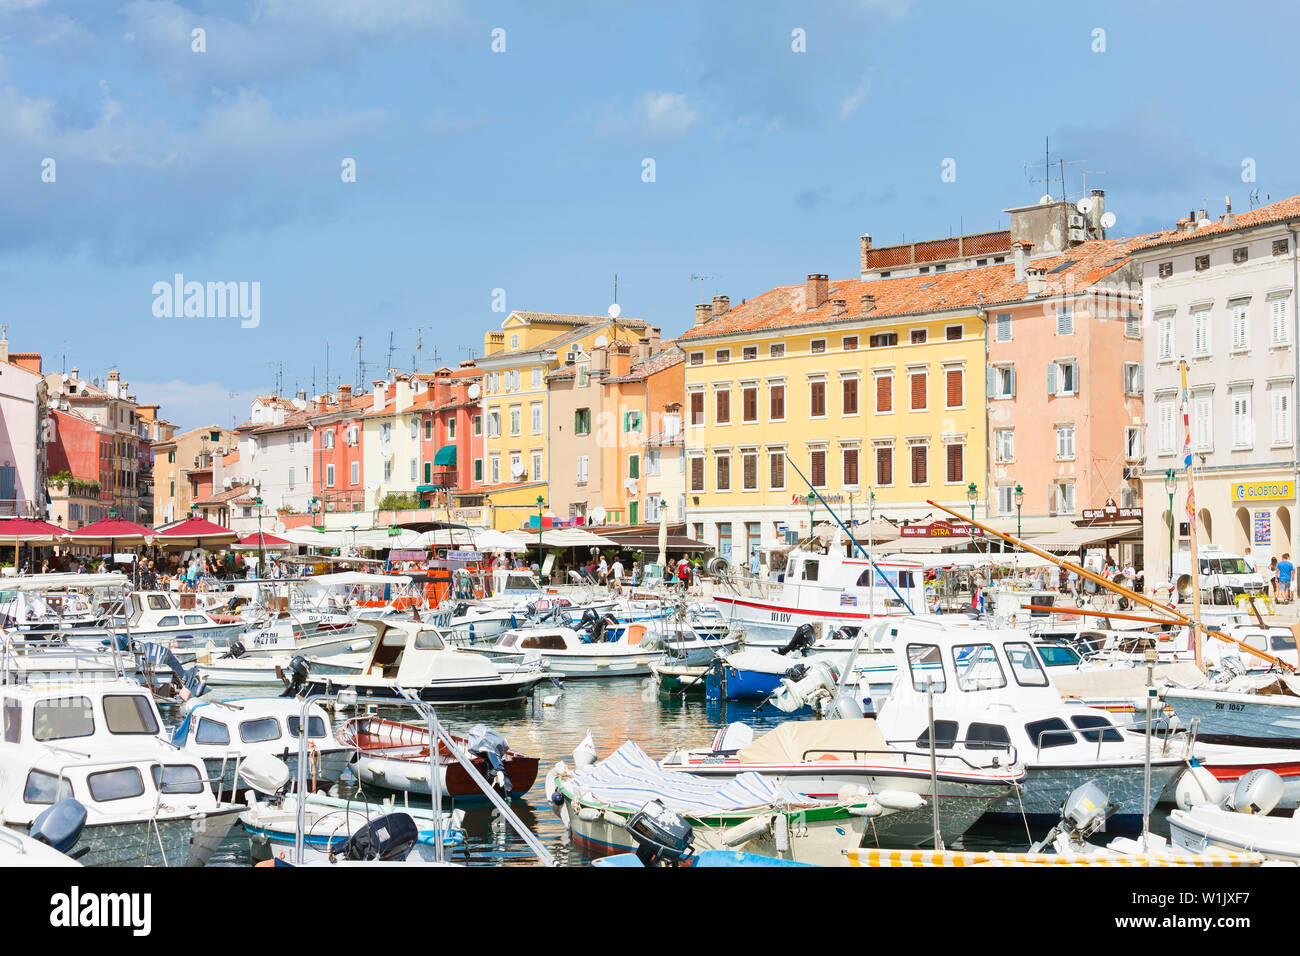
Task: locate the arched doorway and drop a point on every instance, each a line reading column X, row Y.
column 1204, row 527
column 1282, row 533
column 1243, row 530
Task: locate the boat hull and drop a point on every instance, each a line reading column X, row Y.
column 505, row 691
column 1046, row 786
column 1249, row 719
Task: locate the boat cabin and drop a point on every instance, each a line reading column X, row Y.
column 413, row 653
column 218, row 727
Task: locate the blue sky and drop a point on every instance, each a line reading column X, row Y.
column 523, row 170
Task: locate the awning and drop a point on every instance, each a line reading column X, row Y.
column 1072, row 539
column 446, row 456
column 428, row 489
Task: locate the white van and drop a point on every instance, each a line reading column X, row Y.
column 1223, row 574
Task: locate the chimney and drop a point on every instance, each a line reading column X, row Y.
column 839, row 307
column 868, row 304
column 1228, row 217
column 345, row 394
column 703, row 312
column 816, row 291
column 1182, row 224
column 1201, row 216
column 1022, row 249
column 600, row 355
column 653, row 333
column 721, row 303
column 381, row 394
column 114, row 385
column 1036, row 276
column 4, row 343
column 642, row 349
column 864, row 247
column 1096, row 212
column 73, row 373
column 402, row 393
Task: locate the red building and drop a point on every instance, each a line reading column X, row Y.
column 451, row 435
column 83, row 449
column 338, row 476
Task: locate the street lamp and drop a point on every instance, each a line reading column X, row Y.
column 1171, row 485
column 1020, row 500
column 541, row 503
column 811, row 501
column 261, row 565
column 972, row 495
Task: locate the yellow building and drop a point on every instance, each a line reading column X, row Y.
column 515, row 399
column 863, row 387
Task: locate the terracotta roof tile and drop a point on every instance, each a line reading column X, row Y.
column 1281, row 211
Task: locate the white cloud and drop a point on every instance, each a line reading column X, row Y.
column 894, row 9
column 849, row 105
column 665, row 114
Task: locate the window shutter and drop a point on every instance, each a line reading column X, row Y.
column 918, row 390
column 884, row 393
column 955, row 462
column 1051, row 378
column 991, row 382
column 954, row 388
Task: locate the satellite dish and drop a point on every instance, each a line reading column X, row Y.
column 601, row 342
column 516, row 471
column 474, row 390
column 1045, row 200
column 1108, row 220
column 279, row 527
column 597, row 515
column 1084, row 206
column 615, row 311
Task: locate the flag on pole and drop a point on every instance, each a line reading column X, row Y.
column 1187, row 427
column 1191, row 504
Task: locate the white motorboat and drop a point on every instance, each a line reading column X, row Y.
column 223, row 734
column 1241, row 822
column 147, row 802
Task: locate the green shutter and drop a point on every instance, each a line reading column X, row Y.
column 634, row 467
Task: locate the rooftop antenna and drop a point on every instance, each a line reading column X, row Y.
column 1254, row 198
column 700, row 279
column 327, row 365
column 279, row 376
column 1095, row 172
column 361, row 366
column 390, row 348
column 469, row 351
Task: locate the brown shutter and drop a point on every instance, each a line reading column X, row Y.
column 777, row 469
column 751, row 472
column 954, row 388
column 918, row 465
column 818, row 399
column 884, row 393
column 724, row 473
column 818, row 462
column 918, row 389
column 850, row 466
column 885, row 465
column 955, row 461
column 751, row 404
column 778, row 402
column 697, row 474
column 850, row 396
column 724, row 406
column 697, row 408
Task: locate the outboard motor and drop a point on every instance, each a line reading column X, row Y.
column 589, row 617
column 819, row 681
column 663, row 837
column 294, row 676
column 160, row 656
column 233, row 652
column 492, row 747
column 60, row 826
column 390, row 837
column 1083, row 813
column 803, row 639
column 1258, row 792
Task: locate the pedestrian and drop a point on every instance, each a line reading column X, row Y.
column 1072, row 582
column 755, row 564
column 1130, row 575
column 616, row 573
column 1250, row 561
column 1285, row 571
column 1272, row 576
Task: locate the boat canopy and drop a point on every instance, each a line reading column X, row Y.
column 1122, row 681
column 352, row 579
column 52, row 582
column 796, row 741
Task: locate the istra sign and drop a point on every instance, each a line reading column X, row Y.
column 1263, row 490
column 940, row 529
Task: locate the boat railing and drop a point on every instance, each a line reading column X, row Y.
column 79, row 659
column 1013, row 757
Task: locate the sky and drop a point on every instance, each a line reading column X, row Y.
column 403, row 170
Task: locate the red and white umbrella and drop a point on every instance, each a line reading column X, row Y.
column 112, row 531
column 262, row 542
column 197, row 533
column 29, row 531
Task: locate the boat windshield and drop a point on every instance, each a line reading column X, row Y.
column 177, row 778
column 429, row 641
column 315, row 726
column 129, row 714
column 1055, row 655
column 58, row 718
column 977, row 667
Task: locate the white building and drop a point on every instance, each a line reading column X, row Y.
column 275, row 456
column 1222, row 295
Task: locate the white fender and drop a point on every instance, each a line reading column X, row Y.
column 742, row 833
column 900, row 800
column 1196, row 787
column 590, row 814
column 781, row 830
column 615, row 819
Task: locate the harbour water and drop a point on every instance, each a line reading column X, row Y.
column 613, row 710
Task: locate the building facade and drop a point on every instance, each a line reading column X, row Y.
column 22, row 425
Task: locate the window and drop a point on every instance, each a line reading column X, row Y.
column 258, row 730
column 918, row 381
column 632, row 421
column 478, row 470
column 849, row 343
column 428, row 429
column 747, row 354
column 356, row 473
column 697, row 408
column 1280, row 398
column 981, row 736
column 1025, row 667
column 1240, row 254
column 129, row 714
column 1201, row 332
column 945, row 733
column 956, row 463
column 722, row 356
column 1165, row 335
column 722, row 406
column 537, row 377
column 920, row 463
column 582, row 421
column 883, row 340
column 537, row 466
column 583, row 463
column 749, row 470
column 953, row 381
column 1166, row 270
column 494, row 424
column 884, row 465
column 177, row 778
column 494, row 468
column 749, row 403
column 817, row 346
column 582, row 376
column 1133, row 442
column 1064, row 442
column 58, row 718
column 977, row 667
column 722, row 471
column 776, row 470
column 478, row 424
column 1243, row 432
column 1202, row 422
column 697, row 473
column 1051, row 732
column 652, row 458
column 926, row 667
column 1279, row 328
column 45, row 788
column 1003, row 327
column 1096, row 728
column 1065, row 319
column 121, row 784
column 1063, row 378
column 776, row 401
column 1280, row 247
column 516, row 419
column 776, row 350
column 1133, row 325
column 817, row 399
column 1004, row 445
column 414, row 471
column 1166, row 425
column 953, row 333
column 1063, row 498
column 817, row 465
column 849, row 462
column 1132, row 378
column 697, row 358
column 327, row 438
column 536, row 410
column 1006, row 497
column 1002, row 381
column 850, row 389
column 884, row 393
column 633, row 465
column 514, row 341
column 917, row 336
